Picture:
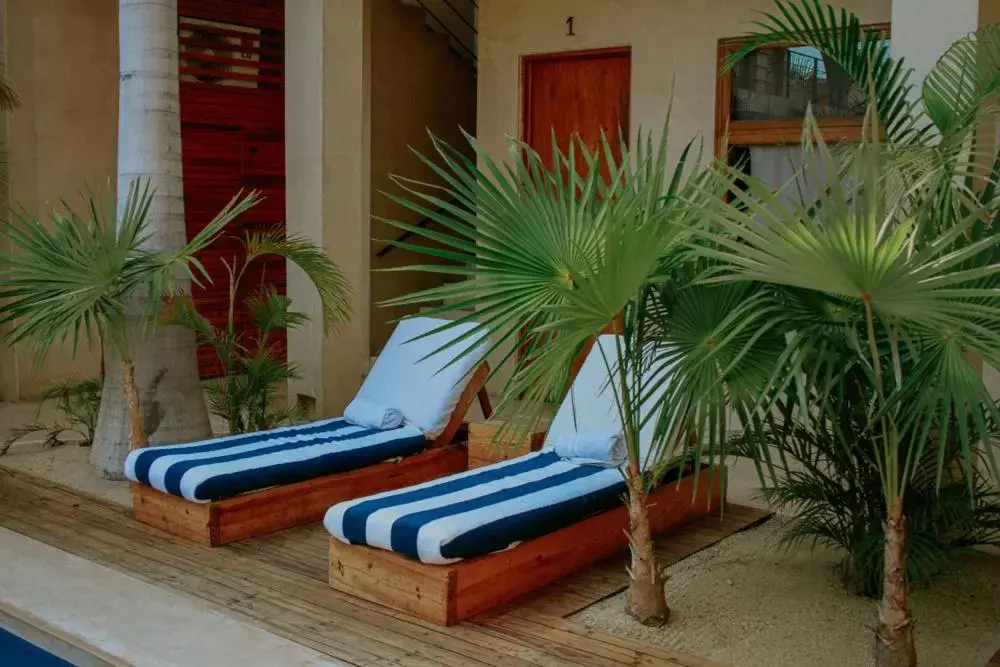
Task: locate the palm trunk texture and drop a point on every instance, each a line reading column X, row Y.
column 167, row 386
column 647, row 597
column 894, row 646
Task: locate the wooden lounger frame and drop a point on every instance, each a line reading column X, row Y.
column 260, row 512
column 447, row 594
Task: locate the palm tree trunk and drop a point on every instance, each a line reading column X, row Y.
column 139, row 438
column 894, row 645
column 647, row 596
column 149, row 147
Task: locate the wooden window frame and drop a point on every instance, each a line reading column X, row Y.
column 779, row 131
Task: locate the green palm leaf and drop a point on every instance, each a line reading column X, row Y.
column 79, row 276
column 325, row 275
column 962, row 82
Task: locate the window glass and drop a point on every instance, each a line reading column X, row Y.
column 772, row 84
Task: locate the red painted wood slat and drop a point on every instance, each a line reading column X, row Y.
column 232, row 129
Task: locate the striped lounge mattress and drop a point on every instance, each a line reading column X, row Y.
column 225, row 467
column 480, row 511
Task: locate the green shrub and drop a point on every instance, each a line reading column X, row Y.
column 825, row 474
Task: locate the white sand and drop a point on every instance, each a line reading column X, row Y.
column 747, row 603
column 67, row 464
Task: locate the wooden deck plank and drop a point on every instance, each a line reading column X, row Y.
column 278, row 582
column 995, row 660
column 248, row 588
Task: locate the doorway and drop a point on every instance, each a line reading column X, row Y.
column 582, row 92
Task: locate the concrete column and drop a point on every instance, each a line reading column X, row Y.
column 327, row 174
column 923, row 29
column 304, row 180
column 346, row 187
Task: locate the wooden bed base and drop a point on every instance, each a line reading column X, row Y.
column 261, row 512
column 447, row 594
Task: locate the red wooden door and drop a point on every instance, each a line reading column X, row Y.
column 581, row 93
column 232, row 99
column 585, row 93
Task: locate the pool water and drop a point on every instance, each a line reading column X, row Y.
column 17, row 652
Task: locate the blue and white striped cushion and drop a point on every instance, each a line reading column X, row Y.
column 226, row 467
column 480, row 511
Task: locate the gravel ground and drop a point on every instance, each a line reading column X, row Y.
column 746, row 602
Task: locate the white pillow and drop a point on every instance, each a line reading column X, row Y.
column 423, row 389
column 590, row 404
column 362, row 412
column 605, row 447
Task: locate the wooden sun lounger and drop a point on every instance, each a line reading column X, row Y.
column 260, row 512
column 447, row 594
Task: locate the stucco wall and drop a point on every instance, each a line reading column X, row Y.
column 62, row 59
column 417, row 85
column 673, row 42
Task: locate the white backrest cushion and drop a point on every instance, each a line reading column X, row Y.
column 423, row 389
column 590, row 403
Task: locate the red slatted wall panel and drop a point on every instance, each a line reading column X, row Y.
column 232, row 73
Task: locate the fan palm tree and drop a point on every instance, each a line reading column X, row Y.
column 872, row 295
column 86, row 278
column 552, row 255
column 912, row 273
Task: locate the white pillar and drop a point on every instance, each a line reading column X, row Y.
column 327, row 151
column 923, row 29
column 304, row 181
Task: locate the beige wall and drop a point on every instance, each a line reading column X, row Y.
column 673, row 46
column 62, row 59
column 417, row 85
column 671, row 40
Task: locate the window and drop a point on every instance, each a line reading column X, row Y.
column 782, row 83
column 762, row 101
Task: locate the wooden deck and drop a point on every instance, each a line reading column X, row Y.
column 278, row 582
column 995, row 660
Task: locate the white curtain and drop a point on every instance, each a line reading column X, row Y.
column 779, row 165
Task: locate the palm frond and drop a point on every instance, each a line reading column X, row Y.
column 327, row 277
column 271, row 311
column 73, row 279
column 963, row 81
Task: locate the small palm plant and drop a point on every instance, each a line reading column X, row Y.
column 555, row 254
column 79, row 278
column 79, row 401
column 253, row 369
column 822, row 470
